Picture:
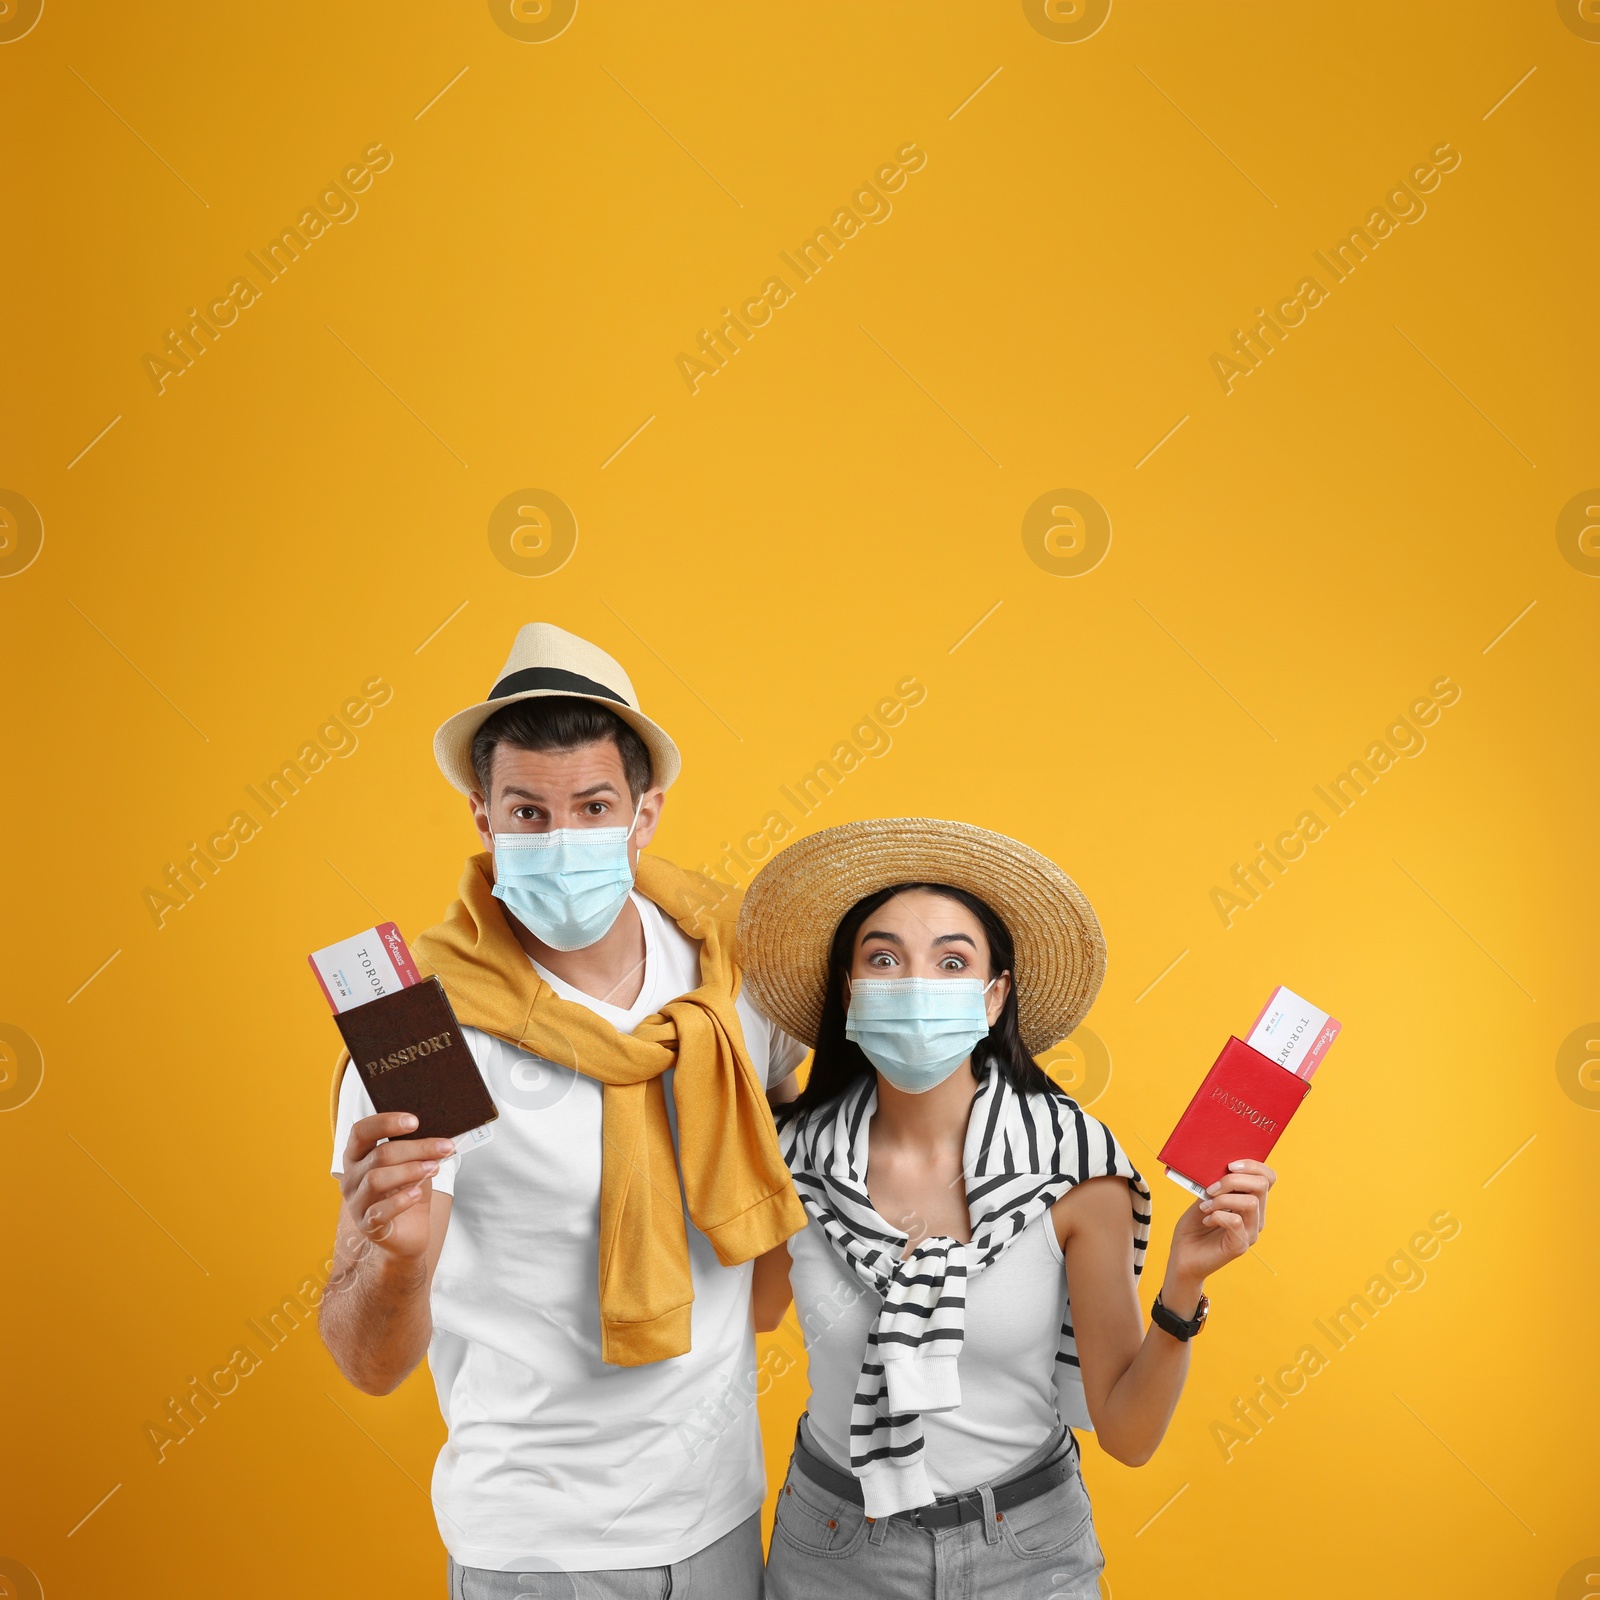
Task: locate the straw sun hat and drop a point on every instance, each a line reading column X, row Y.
column 548, row 660
column 795, row 903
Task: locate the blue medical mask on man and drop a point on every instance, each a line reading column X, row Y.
column 917, row 1031
column 566, row 886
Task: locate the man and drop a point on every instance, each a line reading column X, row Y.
column 591, row 1347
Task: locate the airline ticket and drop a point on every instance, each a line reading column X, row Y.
column 370, row 965
column 1293, row 1032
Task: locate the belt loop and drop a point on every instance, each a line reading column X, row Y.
column 991, row 1518
column 880, row 1530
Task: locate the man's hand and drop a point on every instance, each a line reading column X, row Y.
column 387, row 1187
column 374, row 1314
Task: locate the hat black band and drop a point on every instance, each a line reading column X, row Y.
column 557, row 678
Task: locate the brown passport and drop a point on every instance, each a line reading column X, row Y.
column 408, row 1048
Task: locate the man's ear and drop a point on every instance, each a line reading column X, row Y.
column 650, row 804
column 480, row 819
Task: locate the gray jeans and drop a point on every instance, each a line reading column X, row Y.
column 823, row 1548
column 730, row 1569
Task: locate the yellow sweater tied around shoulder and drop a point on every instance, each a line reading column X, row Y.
column 738, row 1189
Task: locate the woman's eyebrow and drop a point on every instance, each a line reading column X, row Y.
column 882, row 933
column 950, row 938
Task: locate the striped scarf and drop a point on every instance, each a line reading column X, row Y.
column 1022, row 1153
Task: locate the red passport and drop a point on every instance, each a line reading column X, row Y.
column 1237, row 1114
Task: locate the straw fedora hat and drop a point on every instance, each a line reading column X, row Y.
column 547, row 660
column 795, row 903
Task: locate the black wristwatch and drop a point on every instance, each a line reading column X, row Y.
column 1172, row 1323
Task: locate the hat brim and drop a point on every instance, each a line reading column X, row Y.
column 452, row 744
column 795, row 903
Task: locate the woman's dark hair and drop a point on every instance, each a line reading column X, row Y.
column 838, row 1062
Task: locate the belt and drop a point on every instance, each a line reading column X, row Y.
column 945, row 1510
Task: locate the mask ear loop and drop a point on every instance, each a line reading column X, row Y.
column 638, row 807
column 990, row 984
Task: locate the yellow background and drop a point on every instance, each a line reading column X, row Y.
column 309, row 504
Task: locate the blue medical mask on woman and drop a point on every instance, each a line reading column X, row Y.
column 917, row 1031
column 566, row 886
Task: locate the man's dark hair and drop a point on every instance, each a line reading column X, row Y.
column 840, row 1062
column 560, row 722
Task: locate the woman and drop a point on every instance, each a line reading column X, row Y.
column 947, row 1182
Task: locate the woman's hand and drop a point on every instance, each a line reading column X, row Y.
column 1213, row 1231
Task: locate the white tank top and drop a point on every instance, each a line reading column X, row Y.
column 1007, row 1364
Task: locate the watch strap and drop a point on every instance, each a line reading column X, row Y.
column 1179, row 1327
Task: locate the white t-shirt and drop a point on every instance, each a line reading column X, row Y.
column 1006, row 1368
column 555, row 1459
